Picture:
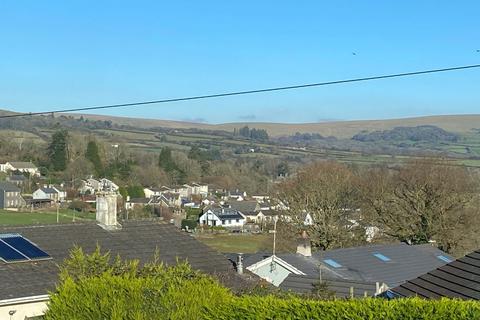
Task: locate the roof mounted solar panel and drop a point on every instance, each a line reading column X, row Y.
column 9, row 254
column 26, row 247
column 15, row 248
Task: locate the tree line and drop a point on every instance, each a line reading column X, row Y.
column 423, row 201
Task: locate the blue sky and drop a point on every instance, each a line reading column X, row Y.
column 58, row 54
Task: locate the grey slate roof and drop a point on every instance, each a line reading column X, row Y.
column 49, row 190
column 359, row 263
column 341, row 288
column 7, row 186
column 458, row 279
column 23, row 165
column 136, row 240
column 245, row 207
column 224, row 214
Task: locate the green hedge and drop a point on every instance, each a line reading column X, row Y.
column 271, row 307
column 192, row 224
column 95, row 286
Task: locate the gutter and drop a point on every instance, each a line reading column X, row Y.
column 23, row 300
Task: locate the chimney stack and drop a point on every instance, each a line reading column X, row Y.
column 304, row 247
column 107, row 211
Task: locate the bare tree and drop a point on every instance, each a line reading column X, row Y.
column 325, row 190
column 423, row 201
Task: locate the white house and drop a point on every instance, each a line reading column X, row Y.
column 51, row 193
column 20, row 166
column 152, row 192
column 227, row 218
column 91, row 186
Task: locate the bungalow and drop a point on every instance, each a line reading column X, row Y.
column 24, row 167
column 10, row 197
column 457, row 279
column 227, row 218
column 27, row 283
column 49, row 192
column 377, row 266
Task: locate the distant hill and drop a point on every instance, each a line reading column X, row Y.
column 339, row 129
column 459, row 124
column 428, row 133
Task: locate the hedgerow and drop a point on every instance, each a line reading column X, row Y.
column 94, row 287
column 271, row 307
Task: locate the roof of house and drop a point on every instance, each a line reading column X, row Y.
column 136, row 240
column 245, row 207
column 7, row 186
column 17, row 177
column 23, row 165
column 457, row 279
column 223, row 214
column 365, row 263
column 341, row 288
column 49, row 190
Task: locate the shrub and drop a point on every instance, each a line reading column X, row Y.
column 94, row 287
column 271, row 307
column 191, row 224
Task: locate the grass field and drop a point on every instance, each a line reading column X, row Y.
column 27, row 218
column 237, row 242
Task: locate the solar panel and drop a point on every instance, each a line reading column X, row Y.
column 26, row 247
column 382, row 257
column 15, row 248
column 332, row 263
column 9, row 254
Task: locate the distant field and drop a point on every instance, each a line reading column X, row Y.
column 28, row 218
column 237, row 243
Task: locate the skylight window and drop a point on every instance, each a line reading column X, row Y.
column 332, row 263
column 382, row 257
column 444, row 258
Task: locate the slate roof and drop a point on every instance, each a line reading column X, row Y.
column 23, row 165
column 7, row 186
column 360, row 264
column 49, row 190
column 223, row 214
column 341, row 288
column 139, row 200
column 17, row 177
column 458, row 279
column 136, row 240
column 245, row 207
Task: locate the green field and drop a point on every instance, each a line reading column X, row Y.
column 237, row 242
column 38, row 218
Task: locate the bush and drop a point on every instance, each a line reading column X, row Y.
column 191, row 224
column 93, row 287
column 271, row 307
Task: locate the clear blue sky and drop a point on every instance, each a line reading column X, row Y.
column 79, row 53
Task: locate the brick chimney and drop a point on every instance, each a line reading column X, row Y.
column 304, row 247
column 107, row 211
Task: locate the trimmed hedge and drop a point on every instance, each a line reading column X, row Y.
column 271, row 307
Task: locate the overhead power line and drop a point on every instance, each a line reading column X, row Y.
column 238, row 93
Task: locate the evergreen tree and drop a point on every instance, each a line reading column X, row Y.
column 165, row 160
column 58, row 150
column 94, row 157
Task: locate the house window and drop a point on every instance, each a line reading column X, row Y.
column 228, row 221
column 382, row 257
column 332, row 263
column 223, row 221
column 444, row 258
column 238, row 220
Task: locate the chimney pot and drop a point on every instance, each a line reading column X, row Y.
column 107, row 211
